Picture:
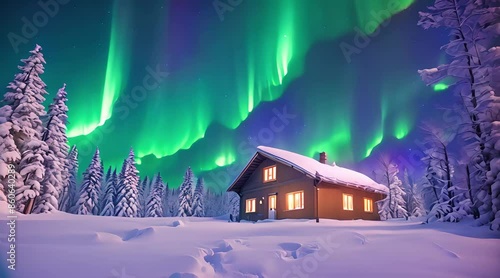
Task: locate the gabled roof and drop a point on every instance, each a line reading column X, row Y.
column 310, row 167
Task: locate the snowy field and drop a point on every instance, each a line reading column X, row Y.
column 64, row 245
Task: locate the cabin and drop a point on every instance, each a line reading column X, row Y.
column 278, row 184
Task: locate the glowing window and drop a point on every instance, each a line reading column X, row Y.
column 295, row 200
column 270, row 173
column 368, row 205
column 347, row 201
column 250, row 205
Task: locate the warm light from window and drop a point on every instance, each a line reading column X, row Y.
column 368, row 205
column 270, row 173
column 250, row 205
column 295, row 200
column 347, row 201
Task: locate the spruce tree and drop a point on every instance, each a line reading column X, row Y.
column 110, row 195
column 154, row 206
column 67, row 199
column 55, row 160
column 186, row 195
column 88, row 202
column 127, row 195
column 198, row 197
column 25, row 96
column 143, row 195
column 394, row 205
column 234, row 205
column 166, row 200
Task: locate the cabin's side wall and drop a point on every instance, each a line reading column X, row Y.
column 287, row 180
column 330, row 198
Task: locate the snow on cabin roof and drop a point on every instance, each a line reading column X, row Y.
column 329, row 173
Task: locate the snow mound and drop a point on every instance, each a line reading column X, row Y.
column 183, row 275
column 448, row 252
column 103, row 237
column 293, row 250
column 178, row 223
column 139, row 234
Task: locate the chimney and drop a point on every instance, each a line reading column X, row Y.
column 322, row 157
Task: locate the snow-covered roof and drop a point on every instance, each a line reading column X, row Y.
column 328, row 173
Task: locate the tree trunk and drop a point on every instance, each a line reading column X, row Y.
column 28, row 207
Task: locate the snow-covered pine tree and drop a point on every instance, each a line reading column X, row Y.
column 110, row 195
column 67, row 199
column 88, row 203
column 186, row 195
column 55, row 159
column 198, row 204
column 173, row 202
column 154, row 206
column 108, row 174
column 164, row 199
column 143, row 196
column 207, row 201
column 441, row 171
column 127, row 195
column 474, row 67
column 234, row 205
column 25, row 96
column 431, row 187
column 413, row 198
column 104, row 188
column 394, row 205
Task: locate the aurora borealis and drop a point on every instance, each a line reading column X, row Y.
column 228, row 79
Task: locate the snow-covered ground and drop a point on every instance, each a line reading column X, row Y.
column 64, row 245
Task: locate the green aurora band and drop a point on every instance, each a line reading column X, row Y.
column 260, row 65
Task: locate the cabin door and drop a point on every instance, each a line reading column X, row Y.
column 272, row 207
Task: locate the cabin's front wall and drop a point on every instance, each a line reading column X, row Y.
column 287, row 180
column 330, row 198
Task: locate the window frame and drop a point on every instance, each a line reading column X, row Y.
column 345, row 197
column 264, row 172
column 370, row 201
column 293, row 193
column 254, row 205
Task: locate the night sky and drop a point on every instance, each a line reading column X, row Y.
column 186, row 84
